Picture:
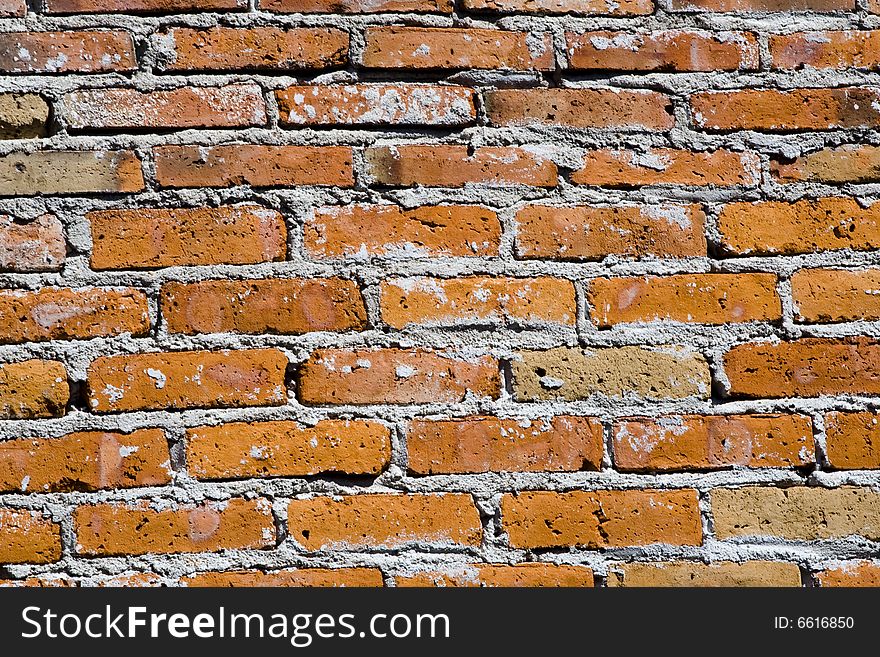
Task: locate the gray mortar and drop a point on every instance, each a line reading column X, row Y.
column 503, row 342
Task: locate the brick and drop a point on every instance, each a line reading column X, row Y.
column 279, row 305
column 809, row 367
column 253, row 164
column 807, row 226
column 71, row 314
column 139, row 528
column 359, row 231
column 27, row 537
column 263, row 48
column 142, row 6
column 38, row 582
column 86, row 461
column 593, row 233
column 668, row 166
column 395, row 376
column 35, row 246
column 306, row 577
column 287, row 449
column 10, row 8
column 477, row 300
column 613, row 109
column 384, row 521
column 836, row 295
column 668, row 51
column 593, row 7
column 599, row 519
column 851, row 163
column 571, row 374
column 851, row 574
column 693, row 574
column 70, row 172
column 233, row 106
column 763, row 5
column 148, row 238
column 696, row 442
column 187, row 379
column 489, row 444
column 376, row 104
column 33, row 389
column 23, row 116
column 355, row 6
column 690, row 298
column 849, row 49
column 786, row 111
column 502, row 575
column 456, row 166
column 796, row 513
column 456, row 48
column 67, row 52
column 852, row 440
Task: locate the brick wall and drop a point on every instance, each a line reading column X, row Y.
column 408, row 292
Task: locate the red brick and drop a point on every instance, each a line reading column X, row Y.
column 35, row 246
column 27, row 537
column 234, row 106
column 852, row 440
column 851, row 574
column 141, row 528
column 66, row 52
column 85, row 462
column 594, row 7
column 360, row 231
column 456, row 48
column 253, row 164
column 33, row 389
column 854, row 163
column 489, row 444
column 287, row 449
column 279, row 305
column 456, row 166
column 376, row 104
column 355, row 6
column 836, row 295
column 148, row 238
column 696, row 442
column 306, row 577
column 669, row 51
column 593, row 233
column 70, row 172
column 502, row 575
column 395, row 376
column 849, row 49
column 12, row 8
column 763, row 5
column 187, row 379
column 142, row 6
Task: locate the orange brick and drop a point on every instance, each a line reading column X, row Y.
column 580, row 108
column 598, row 519
column 70, row 172
column 33, row 389
column 9, row 8
column 668, row 166
column 690, row 298
column 395, row 376
column 455, row 166
column 233, row 106
column 491, row 444
column 786, row 111
column 807, row 226
column 66, row 52
column 595, row 7
column 71, row 314
column 849, row 49
column 592, row 233
column 669, row 51
column 763, row 5
column 306, row 577
column 253, row 164
column 140, row 528
column 357, row 231
column 808, row 367
column 477, row 300
column 287, row 449
column 851, row 574
column 187, row 379
column 836, row 295
column 691, row 574
column 85, row 462
column 355, row 6
column 37, row 245
column 851, row 163
column 695, row 442
column 384, row 521
column 142, row 6
column 27, row 537
column 455, row 48
column 263, row 48
column 148, row 238
column 376, row 104
column 501, row 575
column 852, row 440
column 275, row 305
